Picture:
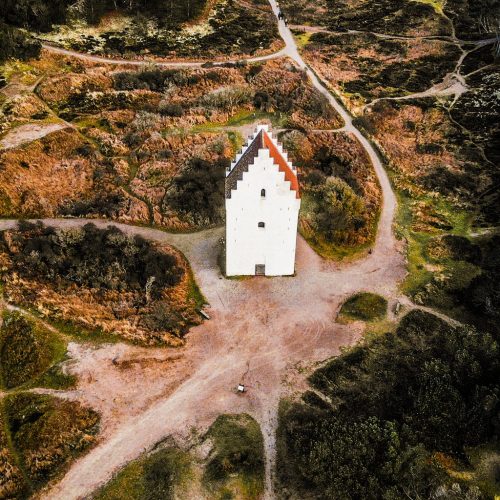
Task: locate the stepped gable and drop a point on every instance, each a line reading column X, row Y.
column 244, row 162
column 261, row 141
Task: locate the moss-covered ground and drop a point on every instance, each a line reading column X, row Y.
column 158, row 475
column 39, row 436
column 364, row 306
column 30, row 354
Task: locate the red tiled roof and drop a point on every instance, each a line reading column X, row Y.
column 282, row 164
column 261, row 141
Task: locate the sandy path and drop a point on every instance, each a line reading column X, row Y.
column 163, row 64
column 28, row 133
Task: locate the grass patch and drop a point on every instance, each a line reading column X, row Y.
column 12, row 481
column 246, row 117
column 364, row 306
column 55, row 378
column 240, row 118
column 378, row 328
column 236, row 463
column 419, row 272
column 155, row 476
column 16, row 67
column 442, row 261
column 28, row 351
column 303, row 39
column 194, row 292
column 47, row 433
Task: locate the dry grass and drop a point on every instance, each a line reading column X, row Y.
column 124, row 314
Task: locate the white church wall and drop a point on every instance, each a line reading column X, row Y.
column 248, row 245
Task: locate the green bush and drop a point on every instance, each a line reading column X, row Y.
column 171, row 109
column 154, row 477
column 106, row 205
column 17, row 44
column 338, row 212
column 26, row 350
column 155, row 79
column 238, row 449
column 227, row 98
column 37, row 15
column 395, row 401
column 198, row 192
column 364, row 306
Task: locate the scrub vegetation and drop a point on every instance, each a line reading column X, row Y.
column 177, row 29
column 365, row 67
column 400, row 415
column 101, row 280
column 233, row 467
column 159, row 474
column 41, row 435
column 340, row 193
column 441, row 150
column 445, row 202
column 30, row 353
column 143, row 140
column 399, row 17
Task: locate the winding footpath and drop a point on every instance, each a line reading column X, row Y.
column 385, row 241
column 259, row 327
column 146, row 62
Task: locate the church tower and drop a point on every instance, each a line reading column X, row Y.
column 262, row 209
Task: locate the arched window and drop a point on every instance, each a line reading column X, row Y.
column 262, row 193
column 262, row 224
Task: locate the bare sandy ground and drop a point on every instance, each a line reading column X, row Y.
column 28, row 133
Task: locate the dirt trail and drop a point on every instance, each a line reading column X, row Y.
column 28, row 133
column 385, row 242
column 437, row 38
column 163, row 64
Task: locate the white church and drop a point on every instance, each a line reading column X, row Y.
column 262, row 209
